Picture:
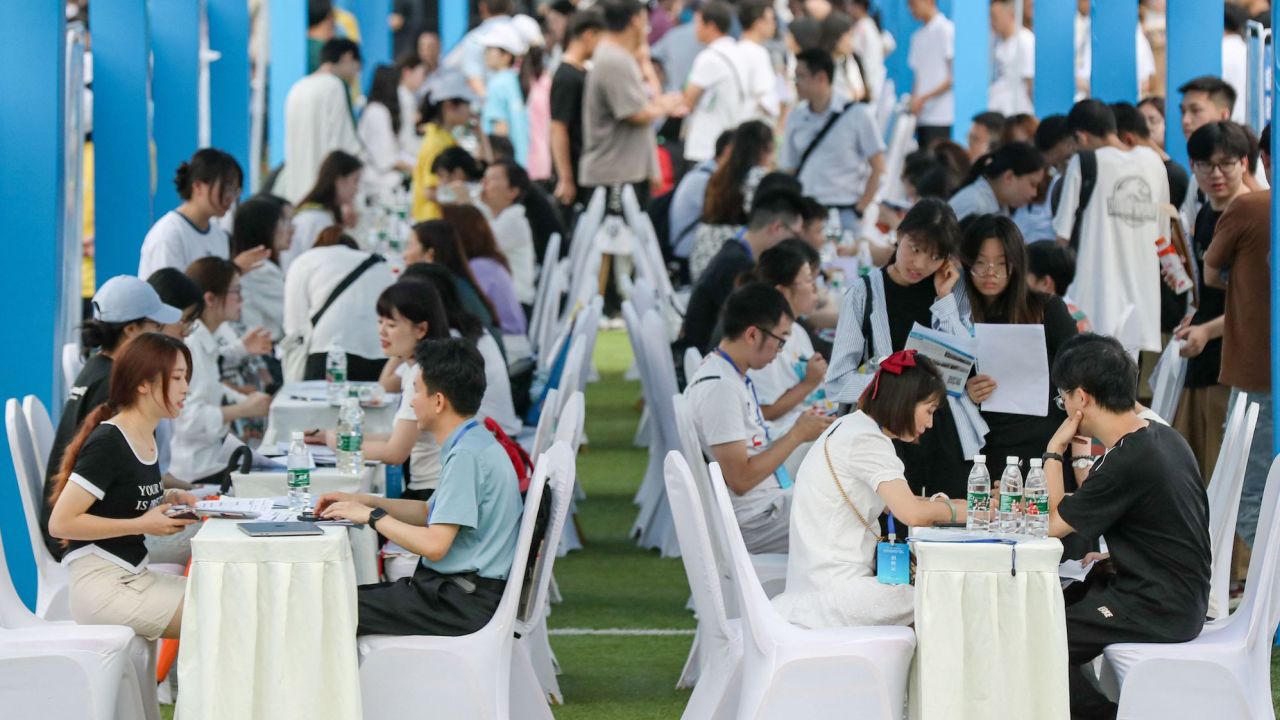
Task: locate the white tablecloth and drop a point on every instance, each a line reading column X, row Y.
column 990, row 644
column 293, row 410
column 269, row 627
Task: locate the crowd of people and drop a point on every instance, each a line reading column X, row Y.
column 407, row 226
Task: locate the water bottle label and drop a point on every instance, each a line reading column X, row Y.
column 1010, row 502
column 979, row 502
column 336, row 375
column 350, row 442
column 1038, row 506
column 300, row 478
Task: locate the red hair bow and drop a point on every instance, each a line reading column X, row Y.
column 893, row 364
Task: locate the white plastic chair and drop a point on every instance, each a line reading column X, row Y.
column 830, row 673
column 41, row 427
column 569, row 431
column 692, row 361
column 72, row 363
column 648, row 494
column 542, row 299
column 468, row 676
column 539, row 440
column 719, row 640
column 1224, row 500
column 654, row 525
column 1223, row 673
column 51, row 576
column 1167, row 379
column 571, row 376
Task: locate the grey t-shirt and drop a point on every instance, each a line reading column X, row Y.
column 614, row 151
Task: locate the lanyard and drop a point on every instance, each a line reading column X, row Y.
column 784, row 477
column 458, row 437
column 893, row 531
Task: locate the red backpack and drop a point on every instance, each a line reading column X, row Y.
column 519, row 458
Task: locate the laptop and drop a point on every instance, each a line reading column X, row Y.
column 279, row 529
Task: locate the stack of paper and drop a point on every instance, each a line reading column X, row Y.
column 954, row 355
column 1015, row 356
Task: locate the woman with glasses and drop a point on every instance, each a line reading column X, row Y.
column 995, row 260
column 1001, row 181
column 921, row 285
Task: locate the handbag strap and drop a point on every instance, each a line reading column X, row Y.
column 822, row 133
column 826, row 452
column 347, row 282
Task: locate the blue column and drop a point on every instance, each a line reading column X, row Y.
column 121, row 133
column 1114, row 76
column 229, row 79
column 175, row 43
column 1194, row 29
column 895, row 18
column 453, row 24
column 971, row 69
column 375, row 34
column 288, row 64
column 1055, row 85
column 32, row 120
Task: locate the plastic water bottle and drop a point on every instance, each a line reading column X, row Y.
column 335, row 375
column 1011, row 497
column 978, row 514
column 1035, row 501
column 350, row 437
column 299, row 473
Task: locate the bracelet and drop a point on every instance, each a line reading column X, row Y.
column 1053, row 456
column 942, row 497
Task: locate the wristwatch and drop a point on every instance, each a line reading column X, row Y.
column 376, row 515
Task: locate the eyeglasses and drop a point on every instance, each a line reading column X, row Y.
column 1223, row 166
column 1060, row 401
column 984, row 269
column 781, row 339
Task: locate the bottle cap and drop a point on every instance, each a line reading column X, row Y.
column 296, row 435
column 1012, row 460
column 979, row 458
column 1036, row 462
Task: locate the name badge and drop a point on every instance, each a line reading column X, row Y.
column 893, row 563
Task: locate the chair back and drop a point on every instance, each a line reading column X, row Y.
column 694, row 457
column 697, row 547
column 585, row 230
column 648, row 255
column 541, row 297
column 41, row 427
column 661, row 377
column 72, row 364
column 692, row 361
column 30, row 484
column 569, row 425
column 1224, row 499
column 546, row 423
column 1260, row 606
column 571, row 377
column 13, row 612
column 761, row 624
column 542, row 332
column 1167, row 380
column 588, row 328
column 556, row 466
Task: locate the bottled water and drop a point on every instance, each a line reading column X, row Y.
column 350, row 436
column 299, row 473
column 1011, row 497
column 1035, row 500
column 335, row 375
column 978, row 514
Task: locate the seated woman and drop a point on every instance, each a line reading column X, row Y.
column 436, row 241
column 1001, row 181
column 488, row 265
column 329, row 202
column 851, row 476
column 729, row 193
column 108, row 495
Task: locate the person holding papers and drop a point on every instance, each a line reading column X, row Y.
column 1146, row 496
column 467, row 534
column 921, row 286
column 995, row 258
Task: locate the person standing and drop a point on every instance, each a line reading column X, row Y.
column 581, row 37
column 447, row 110
column 319, row 119
column 1013, row 61
column 504, row 112
column 716, row 92
column 933, row 47
column 413, row 76
column 467, row 56
column 759, row 25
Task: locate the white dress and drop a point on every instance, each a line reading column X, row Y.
column 830, row 582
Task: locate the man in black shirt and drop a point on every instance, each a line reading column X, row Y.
column 567, row 87
column 1146, row 496
column 775, row 216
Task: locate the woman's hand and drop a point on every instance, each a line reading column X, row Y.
column 252, row 258
column 980, row 388
column 257, row 341
column 180, row 497
column 347, row 510
column 155, row 522
column 332, row 498
column 944, row 280
column 321, row 437
column 1065, row 434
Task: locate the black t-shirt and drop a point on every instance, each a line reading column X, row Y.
column 906, row 306
column 1179, row 182
column 713, row 288
column 125, row 487
column 1146, row 496
column 1202, row 370
column 91, row 389
column 567, row 87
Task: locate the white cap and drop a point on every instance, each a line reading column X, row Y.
column 296, row 435
column 1012, row 460
column 125, row 298
column 1036, row 462
column 504, row 37
column 529, row 30
column 979, row 458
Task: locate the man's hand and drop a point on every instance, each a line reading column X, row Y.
column 980, row 388
column 252, row 258
column 815, row 370
column 257, row 341
column 917, row 105
column 328, row 499
column 1194, row 338
column 347, row 510
column 565, row 191
column 811, row 424
column 1065, row 434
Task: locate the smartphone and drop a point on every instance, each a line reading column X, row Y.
column 182, row 512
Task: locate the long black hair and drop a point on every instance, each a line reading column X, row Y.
column 442, row 237
column 209, row 165
column 255, row 225
column 467, row 325
column 418, row 301
column 336, row 165
column 724, row 198
column 384, row 88
column 1020, row 157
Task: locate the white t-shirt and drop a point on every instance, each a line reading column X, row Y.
column 779, row 376
column 381, row 148
column 724, row 411
column 1116, row 264
column 1235, row 70
column 717, row 70
column 1013, row 63
column 424, row 459
column 351, row 322
column 761, row 83
column 933, row 47
column 868, row 45
column 308, row 221
column 174, row 242
column 515, row 239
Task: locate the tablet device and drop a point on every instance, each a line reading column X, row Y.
column 279, row 529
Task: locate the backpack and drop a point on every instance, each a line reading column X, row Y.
column 1088, row 179
column 519, row 458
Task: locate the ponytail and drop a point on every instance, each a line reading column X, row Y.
column 95, row 418
column 1020, row 157
column 102, row 335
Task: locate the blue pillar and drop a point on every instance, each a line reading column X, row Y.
column 375, row 34
column 895, row 18
column 971, row 70
column 175, row 43
column 288, row 65
column 1114, row 76
column 229, row 80
column 122, row 135
column 1195, row 27
column 1055, row 85
column 32, row 122
column 453, row 24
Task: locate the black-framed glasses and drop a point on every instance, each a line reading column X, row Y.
column 1223, row 166
column 781, row 340
column 998, row 271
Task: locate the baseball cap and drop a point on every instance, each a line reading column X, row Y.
column 529, row 30
column 449, row 85
column 504, row 37
column 125, row 298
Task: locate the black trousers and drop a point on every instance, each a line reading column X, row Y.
column 929, row 135
column 359, row 369
column 427, row 604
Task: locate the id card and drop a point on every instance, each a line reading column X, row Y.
column 893, row 563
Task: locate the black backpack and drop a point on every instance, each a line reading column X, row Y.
column 1088, row 180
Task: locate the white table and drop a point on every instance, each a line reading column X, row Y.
column 297, row 407
column 990, row 644
column 269, row 627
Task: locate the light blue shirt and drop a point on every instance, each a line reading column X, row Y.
column 504, row 102
column 676, row 51
column 837, row 170
column 686, row 207
column 479, row 493
column 468, row 55
column 976, row 198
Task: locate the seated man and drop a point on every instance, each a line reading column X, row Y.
column 1146, row 496
column 731, row 426
column 467, row 533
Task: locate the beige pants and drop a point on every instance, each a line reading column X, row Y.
column 103, row 593
column 1202, row 413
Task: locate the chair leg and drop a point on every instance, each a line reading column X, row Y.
column 528, row 702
